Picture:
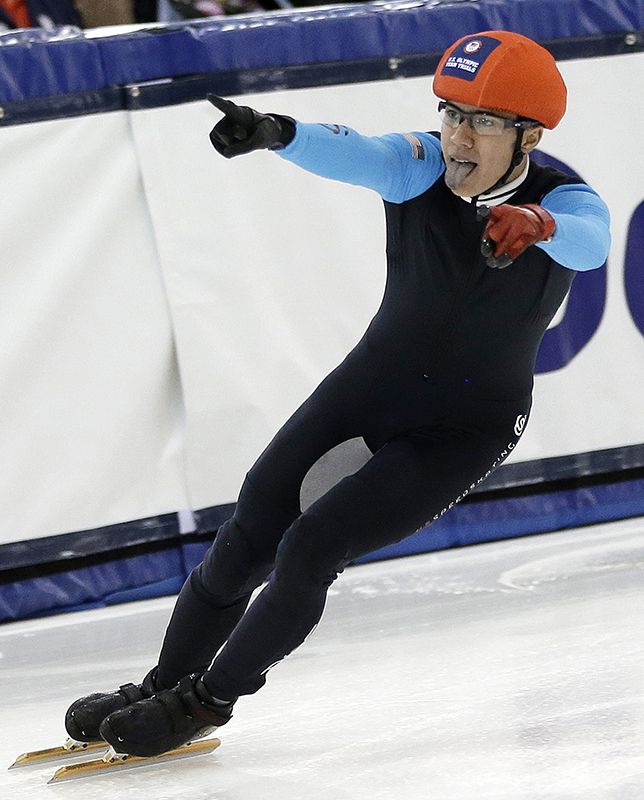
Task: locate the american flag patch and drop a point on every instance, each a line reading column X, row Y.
column 418, row 151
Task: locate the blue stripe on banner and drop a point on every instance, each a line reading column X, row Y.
column 633, row 267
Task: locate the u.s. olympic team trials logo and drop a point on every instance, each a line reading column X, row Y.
column 468, row 58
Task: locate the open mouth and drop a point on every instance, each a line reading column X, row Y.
column 457, row 171
column 462, row 161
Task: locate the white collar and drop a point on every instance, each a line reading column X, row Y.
column 503, row 193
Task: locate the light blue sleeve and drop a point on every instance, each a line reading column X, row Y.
column 397, row 166
column 581, row 240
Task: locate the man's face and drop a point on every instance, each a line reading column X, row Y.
column 475, row 162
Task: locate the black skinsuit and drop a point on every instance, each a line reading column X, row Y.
column 439, row 388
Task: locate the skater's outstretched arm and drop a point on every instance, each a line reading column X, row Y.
column 582, row 236
column 397, row 166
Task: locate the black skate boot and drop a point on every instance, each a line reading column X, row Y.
column 84, row 717
column 166, row 721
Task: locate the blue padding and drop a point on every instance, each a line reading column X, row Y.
column 89, row 586
column 36, row 63
column 194, row 552
column 348, row 32
column 159, row 589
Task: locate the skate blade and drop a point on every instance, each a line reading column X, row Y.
column 69, row 749
column 117, row 761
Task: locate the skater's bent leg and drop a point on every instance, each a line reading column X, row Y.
column 407, row 483
column 360, row 510
column 197, row 629
column 216, row 594
column 283, row 614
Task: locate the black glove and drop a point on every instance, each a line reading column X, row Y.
column 244, row 129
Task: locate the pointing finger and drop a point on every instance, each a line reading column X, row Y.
column 226, row 106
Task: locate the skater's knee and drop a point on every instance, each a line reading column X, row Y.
column 309, row 557
column 266, row 508
column 230, row 569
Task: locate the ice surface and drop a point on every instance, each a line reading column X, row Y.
column 506, row 671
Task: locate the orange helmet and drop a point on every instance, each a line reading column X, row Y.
column 503, row 71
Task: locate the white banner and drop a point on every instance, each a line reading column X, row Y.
column 91, row 429
column 125, row 237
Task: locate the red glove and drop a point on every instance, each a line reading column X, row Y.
column 511, row 229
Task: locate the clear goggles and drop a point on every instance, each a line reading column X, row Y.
column 482, row 122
